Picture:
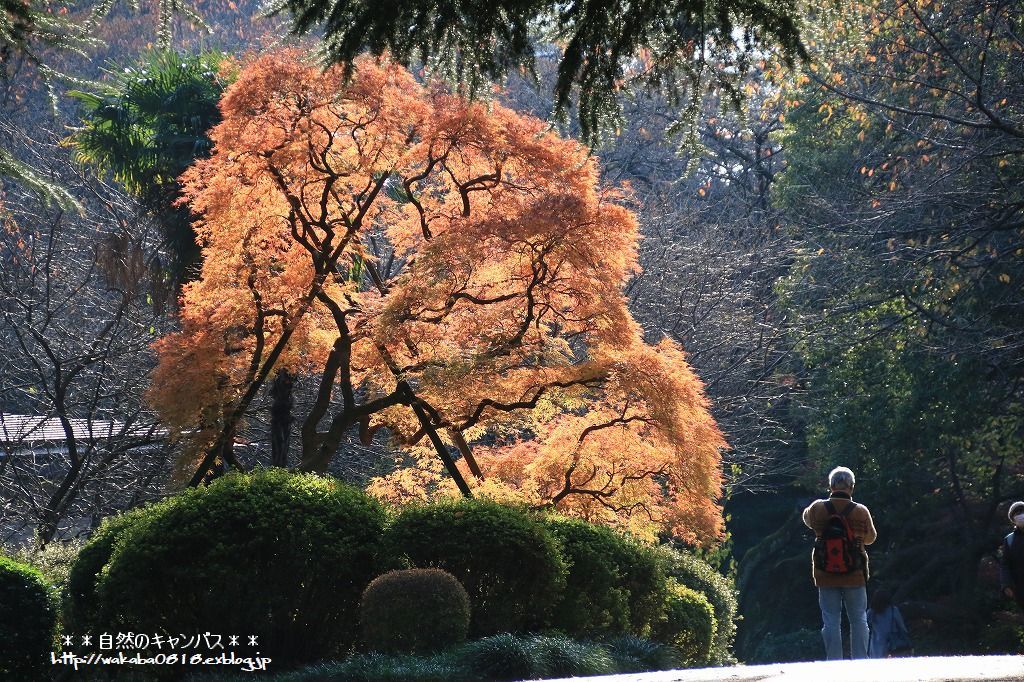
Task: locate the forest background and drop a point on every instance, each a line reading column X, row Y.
column 840, row 257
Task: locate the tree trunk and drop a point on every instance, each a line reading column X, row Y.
column 282, row 395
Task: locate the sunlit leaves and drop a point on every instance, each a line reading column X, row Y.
column 491, row 266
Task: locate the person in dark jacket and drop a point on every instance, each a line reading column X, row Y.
column 1011, row 562
column 889, row 634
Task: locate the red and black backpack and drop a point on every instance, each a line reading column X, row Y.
column 836, row 551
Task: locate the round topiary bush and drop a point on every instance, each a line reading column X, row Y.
column 613, row 585
column 27, row 619
column 421, row 610
column 505, row 557
column 688, row 625
column 278, row 555
column 690, row 571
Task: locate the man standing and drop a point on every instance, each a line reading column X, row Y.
column 842, row 528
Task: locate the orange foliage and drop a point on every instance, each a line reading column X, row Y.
column 446, row 270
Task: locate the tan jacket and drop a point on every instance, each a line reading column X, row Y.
column 816, row 518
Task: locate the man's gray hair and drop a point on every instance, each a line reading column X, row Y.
column 841, row 477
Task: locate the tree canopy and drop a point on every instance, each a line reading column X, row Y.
column 452, row 272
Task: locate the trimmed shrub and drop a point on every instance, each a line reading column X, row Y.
column 505, row 557
column 80, row 605
column 688, row 625
column 27, row 620
column 613, row 586
column 645, row 580
column 632, row 654
column 416, row 611
column 279, row 555
column 690, row 571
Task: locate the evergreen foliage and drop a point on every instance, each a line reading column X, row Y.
column 683, row 45
column 166, row 11
column 28, row 30
column 27, row 619
column 414, row 611
column 500, row 657
column 81, row 605
column 146, row 125
column 500, row 554
column 566, row 657
column 689, row 625
column 698, row 576
column 613, row 585
column 271, row 553
column 48, row 192
column 517, row 657
column 634, row 654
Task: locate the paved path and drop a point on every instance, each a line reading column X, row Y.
column 921, row 669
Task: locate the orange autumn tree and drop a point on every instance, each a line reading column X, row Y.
column 443, row 269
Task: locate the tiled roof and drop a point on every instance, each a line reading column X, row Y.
column 21, row 428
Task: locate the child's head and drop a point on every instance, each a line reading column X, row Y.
column 881, row 600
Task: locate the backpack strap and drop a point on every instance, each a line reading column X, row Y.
column 829, row 507
column 849, row 508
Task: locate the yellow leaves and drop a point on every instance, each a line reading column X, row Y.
column 1004, row 278
column 1003, row 163
column 837, row 78
column 826, row 107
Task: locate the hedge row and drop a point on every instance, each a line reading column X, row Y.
column 287, row 557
